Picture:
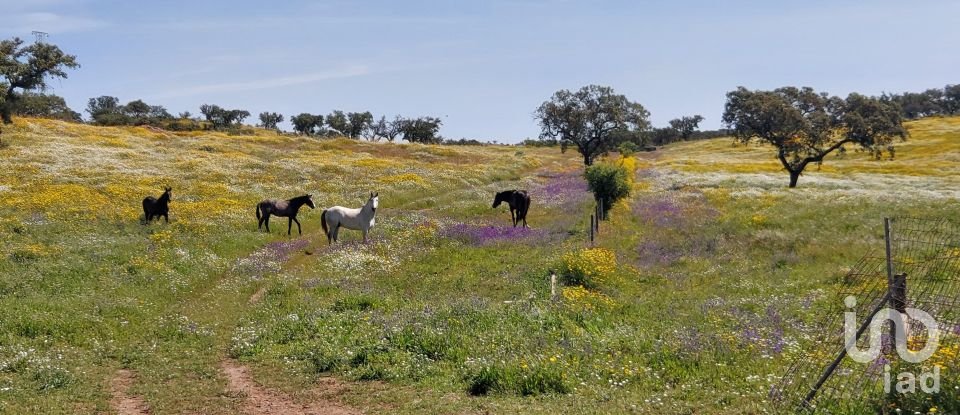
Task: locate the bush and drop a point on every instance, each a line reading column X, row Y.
column 628, row 148
column 524, row 380
column 609, row 183
column 589, row 267
column 485, row 380
column 182, row 124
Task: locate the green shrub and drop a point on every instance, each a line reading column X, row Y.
column 485, row 380
column 628, row 148
column 524, row 380
column 354, row 303
column 608, row 182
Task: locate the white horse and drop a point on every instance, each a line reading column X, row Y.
column 361, row 219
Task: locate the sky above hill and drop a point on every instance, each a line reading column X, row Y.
column 484, row 67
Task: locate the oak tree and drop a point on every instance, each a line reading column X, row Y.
column 26, row 68
column 805, row 125
column 590, row 119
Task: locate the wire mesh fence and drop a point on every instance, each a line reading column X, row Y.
column 822, row 379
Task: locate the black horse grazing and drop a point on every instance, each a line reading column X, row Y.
column 519, row 202
column 156, row 207
column 284, row 208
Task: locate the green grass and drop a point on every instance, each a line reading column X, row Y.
column 721, row 273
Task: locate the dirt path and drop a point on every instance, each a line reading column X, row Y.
column 122, row 402
column 261, row 401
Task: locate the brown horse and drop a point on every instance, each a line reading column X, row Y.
column 519, row 203
column 283, row 208
column 157, row 207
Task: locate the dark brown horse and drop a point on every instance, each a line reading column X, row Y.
column 519, row 203
column 157, row 207
column 283, row 208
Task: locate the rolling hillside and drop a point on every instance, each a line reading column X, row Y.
column 713, row 273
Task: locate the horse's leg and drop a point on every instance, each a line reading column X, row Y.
column 364, row 230
column 166, row 217
column 266, row 222
column 289, row 225
column 513, row 216
column 299, row 230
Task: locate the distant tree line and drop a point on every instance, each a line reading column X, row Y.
column 357, row 125
column 108, row 111
column 934, row 101
column 681, row 129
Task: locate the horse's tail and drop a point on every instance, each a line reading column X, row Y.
column 258, row 212
column 323, row 222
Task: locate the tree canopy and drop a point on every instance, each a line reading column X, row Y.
column 45, row 105
column 106, row 110
column 221, row 118
column 590, row 119
column 307, row 124
column 338, row 122
column 421, row 130
column 686, row 126
column 270, row 120
column 933, row 101
column 358, row 123
column 380, row 129
column 805, row 125
column 28, row 68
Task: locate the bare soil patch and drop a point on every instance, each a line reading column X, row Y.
column 262, row 401
column 122, row 402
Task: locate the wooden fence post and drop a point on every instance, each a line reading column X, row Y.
column 553, row 286
column 891, row 283
column 591, row 228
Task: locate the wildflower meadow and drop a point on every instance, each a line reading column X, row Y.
column 700, row 288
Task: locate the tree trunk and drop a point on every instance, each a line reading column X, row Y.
column 794, row 176
column 587, row 160
column 5, row 112
column 7, row 105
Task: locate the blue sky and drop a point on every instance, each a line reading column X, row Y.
column 484, row 67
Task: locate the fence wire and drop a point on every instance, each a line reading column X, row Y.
column 928, row 252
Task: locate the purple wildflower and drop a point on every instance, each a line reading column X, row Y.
column 565, row 190
column 282, row 250
column 267, row 260
column 486, row 234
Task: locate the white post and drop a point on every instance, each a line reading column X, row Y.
column 553, row 286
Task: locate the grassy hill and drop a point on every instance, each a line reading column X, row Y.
column 713, row 272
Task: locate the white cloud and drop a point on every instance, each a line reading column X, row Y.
column 276, row 82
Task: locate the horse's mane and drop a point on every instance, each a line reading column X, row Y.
column 299, row 199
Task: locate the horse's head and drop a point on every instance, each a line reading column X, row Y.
column 167, row 192
column 310, row 202
column 374, row 200
column 501, row 197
